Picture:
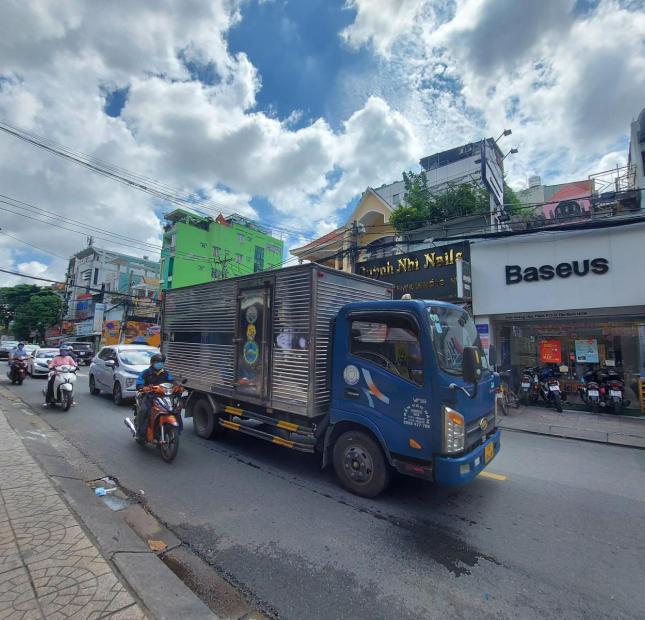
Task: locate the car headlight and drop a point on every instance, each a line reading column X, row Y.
column 454, row 431
column 129, row 381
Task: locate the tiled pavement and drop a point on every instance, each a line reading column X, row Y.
column 49, row 568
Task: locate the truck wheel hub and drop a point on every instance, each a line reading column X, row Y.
column 358, row 464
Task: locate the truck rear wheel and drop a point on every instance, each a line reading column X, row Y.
column 204, row 419
column 360, row 464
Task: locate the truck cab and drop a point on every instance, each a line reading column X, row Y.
column 410, row 387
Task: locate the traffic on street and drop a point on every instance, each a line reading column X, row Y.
column 552, row 530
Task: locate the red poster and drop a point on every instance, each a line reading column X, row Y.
column 550, row 352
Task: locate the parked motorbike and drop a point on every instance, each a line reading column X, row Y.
column 17, row 369
column 163, row 428
column 613, row 391
column 550, row 388
column 529, row 387
column 590, row 391
column 64, row 379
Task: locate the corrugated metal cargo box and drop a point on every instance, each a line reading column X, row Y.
column 262, row 338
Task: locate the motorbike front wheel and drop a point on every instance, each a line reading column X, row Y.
column 168, row 450
column 66, row 400
column 557, row 402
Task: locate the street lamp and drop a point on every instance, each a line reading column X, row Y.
column 506, row 132
column 511, row 152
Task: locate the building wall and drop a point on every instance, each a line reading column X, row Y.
column 201, row 255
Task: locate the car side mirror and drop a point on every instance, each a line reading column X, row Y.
column 110, row 363
column 471, row 365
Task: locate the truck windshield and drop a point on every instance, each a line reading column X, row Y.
column 452, row 330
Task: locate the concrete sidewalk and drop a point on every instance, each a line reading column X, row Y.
column 601, row 427
column 49, row 568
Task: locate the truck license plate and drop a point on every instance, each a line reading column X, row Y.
column 615, row 393
column 489, row 452
column 593, row 393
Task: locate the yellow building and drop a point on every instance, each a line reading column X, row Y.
column 372, row 216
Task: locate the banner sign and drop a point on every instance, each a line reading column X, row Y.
column 550, row 352
column 587, row 351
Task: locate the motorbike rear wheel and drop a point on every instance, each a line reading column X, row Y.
column 616, row 406
column 66, row 400
column 168, row 450
column 557, row 402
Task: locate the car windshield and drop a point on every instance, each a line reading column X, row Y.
column 47, row 354
column 136, row 357
column 452, row 330
column 9, row 344
column 81, row 346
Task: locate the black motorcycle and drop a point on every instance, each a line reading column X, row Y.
column 613, row 391
column 550, row 388
column 591, row 392
column 529, row 387
column 18, row 369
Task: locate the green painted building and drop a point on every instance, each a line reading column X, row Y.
column 199, row 249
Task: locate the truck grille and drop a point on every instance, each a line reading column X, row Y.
column 474, row 434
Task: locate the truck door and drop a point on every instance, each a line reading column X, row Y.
column 386, row 379
column 252, row 350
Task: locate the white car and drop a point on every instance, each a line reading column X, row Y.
column 37, row 366
column 115, row 369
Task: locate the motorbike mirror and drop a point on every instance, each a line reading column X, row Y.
column 471, row 365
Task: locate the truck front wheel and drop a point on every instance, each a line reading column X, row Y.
column 360, row 464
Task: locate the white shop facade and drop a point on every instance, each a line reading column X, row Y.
column 574, row 298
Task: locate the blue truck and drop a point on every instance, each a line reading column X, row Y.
column 321, row 361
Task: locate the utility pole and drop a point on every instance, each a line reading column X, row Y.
column 353, row 247
column 126, row 308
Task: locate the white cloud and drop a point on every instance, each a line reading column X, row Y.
column 567, row 83
column 32, row 268
column 200, row 137
column 380, row 22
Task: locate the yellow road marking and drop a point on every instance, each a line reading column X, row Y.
column 490, row 474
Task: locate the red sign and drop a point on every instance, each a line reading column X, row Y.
column 550, row 352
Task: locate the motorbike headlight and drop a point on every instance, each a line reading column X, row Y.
column 454, row 431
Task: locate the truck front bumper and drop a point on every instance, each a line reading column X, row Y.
column 459, row 470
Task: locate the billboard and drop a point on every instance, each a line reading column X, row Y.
column 430, row 273
column 493, row 170
column 133, row 332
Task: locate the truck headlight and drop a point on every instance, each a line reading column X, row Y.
column 129, row 381
column 454, row 431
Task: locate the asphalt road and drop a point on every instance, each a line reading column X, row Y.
column 559, row 533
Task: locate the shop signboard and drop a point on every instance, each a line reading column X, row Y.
column 133, row 332
column 430, row 273
column 97, row 323
column 587, row 351
column 550, row 352
column 484, row 335
column 84, row 328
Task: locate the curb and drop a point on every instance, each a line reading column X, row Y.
column 160, row 592
column 561, row 432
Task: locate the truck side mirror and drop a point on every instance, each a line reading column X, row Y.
column 471, row 365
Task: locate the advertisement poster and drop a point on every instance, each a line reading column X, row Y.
column 134, row 332
column 587, row 351
column 484, row 336
column 550, row 352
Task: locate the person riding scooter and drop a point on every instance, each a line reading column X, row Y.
column 62, row 359
column 17, row 352
column 156, row 374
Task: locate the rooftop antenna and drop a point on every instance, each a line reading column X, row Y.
column 90, row 242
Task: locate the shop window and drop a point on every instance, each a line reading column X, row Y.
column 217, row 251
column 258, row 262
column 390, row 341
column 240, row 238
column 238, row 258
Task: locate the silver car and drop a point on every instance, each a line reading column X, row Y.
column 37, row 366
column 115, row 369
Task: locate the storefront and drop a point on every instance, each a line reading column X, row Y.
column 571, row 299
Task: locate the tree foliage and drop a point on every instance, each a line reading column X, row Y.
column 29, row 308
column 512, row 203
column 421, row 207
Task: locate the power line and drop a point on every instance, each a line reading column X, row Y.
column 2, row 232
column 132, row 179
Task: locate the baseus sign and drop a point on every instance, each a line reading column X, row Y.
column 516, row 273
